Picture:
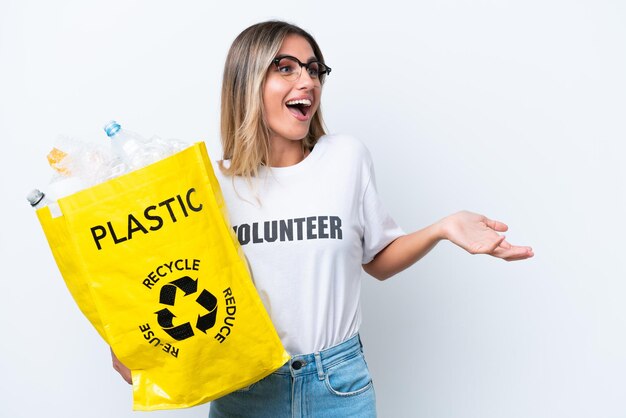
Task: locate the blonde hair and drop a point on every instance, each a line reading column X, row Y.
column 245, row 135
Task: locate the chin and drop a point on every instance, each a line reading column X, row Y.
column 298, row 135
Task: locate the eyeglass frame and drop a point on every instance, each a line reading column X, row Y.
column 326, row 72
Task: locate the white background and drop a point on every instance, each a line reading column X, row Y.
column 513, row 109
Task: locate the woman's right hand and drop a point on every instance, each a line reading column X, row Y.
column 121, row 369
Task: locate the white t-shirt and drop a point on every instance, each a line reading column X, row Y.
column 305, row 230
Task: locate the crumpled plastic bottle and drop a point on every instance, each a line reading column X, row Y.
column 78, row 164
column 131, row 151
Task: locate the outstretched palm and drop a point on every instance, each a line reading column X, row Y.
column 478, row 234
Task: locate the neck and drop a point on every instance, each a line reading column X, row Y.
column 285, row 152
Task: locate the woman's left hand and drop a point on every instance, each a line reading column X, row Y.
column 478, row 234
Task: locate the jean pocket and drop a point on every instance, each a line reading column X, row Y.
column 348, row 378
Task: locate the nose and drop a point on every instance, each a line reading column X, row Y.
column 306, row 81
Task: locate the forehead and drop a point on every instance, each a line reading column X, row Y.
column 296, row 46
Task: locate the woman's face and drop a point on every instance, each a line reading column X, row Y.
column 288, row 120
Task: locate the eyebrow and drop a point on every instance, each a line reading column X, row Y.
column 311, row 59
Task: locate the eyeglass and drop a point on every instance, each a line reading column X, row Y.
column 291, row 68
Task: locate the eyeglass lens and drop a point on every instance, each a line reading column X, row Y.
column 290, row 68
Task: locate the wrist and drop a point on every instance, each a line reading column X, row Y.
column 442, row 229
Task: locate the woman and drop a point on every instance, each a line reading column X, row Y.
column 305, row 209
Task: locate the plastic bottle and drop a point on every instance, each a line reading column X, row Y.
column 131, row 151
column 123, row 144
column 37, row 199
column 125, row 148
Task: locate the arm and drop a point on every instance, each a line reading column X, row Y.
column 474, row 233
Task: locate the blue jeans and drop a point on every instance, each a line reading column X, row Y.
column 331, row 383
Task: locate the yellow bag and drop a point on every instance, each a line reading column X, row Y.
column 152, row 262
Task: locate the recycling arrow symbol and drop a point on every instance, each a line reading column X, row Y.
column 206, row 300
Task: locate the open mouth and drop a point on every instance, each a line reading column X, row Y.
column 299, row 108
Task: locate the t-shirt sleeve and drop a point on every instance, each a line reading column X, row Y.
column 379, row 229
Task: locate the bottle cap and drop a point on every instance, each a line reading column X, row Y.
column 34, row 197
column 111, row 128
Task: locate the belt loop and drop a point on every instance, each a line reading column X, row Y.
column 318, row 364
column 360, row 342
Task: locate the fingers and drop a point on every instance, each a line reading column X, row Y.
column 121, row 369
column 505, row 244
column 504, row 249
column 497, row 243
column 521, row 254
column 514, row 253
column 496, row 225
column 124, row 372
column 518, row 258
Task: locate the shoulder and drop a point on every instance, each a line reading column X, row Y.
column 346, row 157
column 345, row 144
